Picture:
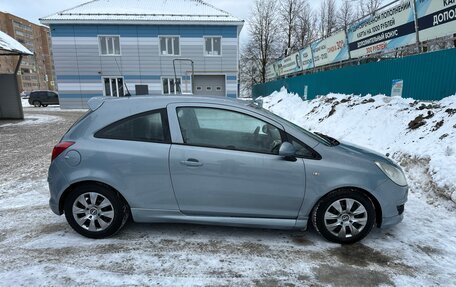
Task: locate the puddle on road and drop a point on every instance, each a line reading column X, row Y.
column 301, row 240
column 360, row 255
column 343, row 275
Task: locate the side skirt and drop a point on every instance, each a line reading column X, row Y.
column 175, row 216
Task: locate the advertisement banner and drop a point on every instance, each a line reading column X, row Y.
column 306, row 58
column 436, row 18
column 385, row 30
column 270, row 72
column 330, row 50
column 291, row 64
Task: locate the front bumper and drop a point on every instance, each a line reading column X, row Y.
column 392, row 199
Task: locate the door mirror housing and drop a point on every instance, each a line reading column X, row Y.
column 287, row 150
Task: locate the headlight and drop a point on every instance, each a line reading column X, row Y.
column 394, row 173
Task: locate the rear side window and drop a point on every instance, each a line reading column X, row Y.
column 149, row 127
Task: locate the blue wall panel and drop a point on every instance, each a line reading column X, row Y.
column 66, row 30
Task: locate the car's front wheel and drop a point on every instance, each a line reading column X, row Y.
column 344, row 216
column 36, row 104
column 95, row 211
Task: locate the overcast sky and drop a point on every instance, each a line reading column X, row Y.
column 32, row 10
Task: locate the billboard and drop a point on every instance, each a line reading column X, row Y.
column 330, row 50
column 306, row 58
column 291, row 64
column 436, row 18
column 385, row 30
column 270, row 72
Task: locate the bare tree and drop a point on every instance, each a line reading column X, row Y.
column 289, row 12
column 263, row 46
column 306, row 26
column 327, row 15
column 369, row 6
column 345, row 15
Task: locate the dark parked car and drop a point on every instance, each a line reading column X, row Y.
column 43, row 98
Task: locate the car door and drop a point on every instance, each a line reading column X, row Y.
column 52, row 98
column 224, row 162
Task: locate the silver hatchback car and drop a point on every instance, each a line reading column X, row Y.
column 216, row 161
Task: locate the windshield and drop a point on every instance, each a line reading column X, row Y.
column 306, row 132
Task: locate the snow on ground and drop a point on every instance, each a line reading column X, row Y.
column 50, row 108
column 32, row 119
column 413, row 133
column 38, row 248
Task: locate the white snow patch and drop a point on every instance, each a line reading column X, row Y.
column 7, row 43
column 34, row 119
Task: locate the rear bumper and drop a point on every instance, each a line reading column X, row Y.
column 57, row 184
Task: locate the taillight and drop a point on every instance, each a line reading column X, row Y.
column 59, row 148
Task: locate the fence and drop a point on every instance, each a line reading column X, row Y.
column 428, row 76
column 391, row 27
column 396, row 26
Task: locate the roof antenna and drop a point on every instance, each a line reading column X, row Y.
column 124, row 83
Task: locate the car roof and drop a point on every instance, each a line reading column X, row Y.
column 95, row 103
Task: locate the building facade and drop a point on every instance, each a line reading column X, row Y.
column 36, row 72
column 115, row 47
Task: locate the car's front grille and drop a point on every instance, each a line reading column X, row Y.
column 400, row 209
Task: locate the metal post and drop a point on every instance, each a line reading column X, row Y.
column 18, row 65
column 415, row 16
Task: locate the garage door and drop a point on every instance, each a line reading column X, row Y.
column 209, row 85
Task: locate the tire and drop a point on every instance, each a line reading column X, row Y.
column 36, row 104
column 44, row 105
column 95, row 211
column 344, row 216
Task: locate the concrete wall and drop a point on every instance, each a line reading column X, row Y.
column 79, row 66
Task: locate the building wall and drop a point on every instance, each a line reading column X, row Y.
column 80, row 67
column 429, row 76
column 37, row 71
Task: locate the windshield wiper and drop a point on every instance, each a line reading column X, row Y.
column 331, row 140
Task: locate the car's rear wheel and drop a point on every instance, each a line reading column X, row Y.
column 95, row 211
column 36, row 104
column 45, row 105
column 344, row 216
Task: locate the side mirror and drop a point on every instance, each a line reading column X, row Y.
column 287, row 150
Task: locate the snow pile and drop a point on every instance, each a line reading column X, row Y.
column 7, row 43
column 416, row 134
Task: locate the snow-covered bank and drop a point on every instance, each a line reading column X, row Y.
column 411, row 132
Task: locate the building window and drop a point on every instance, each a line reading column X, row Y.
column 212, row 46
column 109, row 45
column 171, row 86
column 169, row 45
column 113, row 86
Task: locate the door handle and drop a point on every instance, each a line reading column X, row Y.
column 191, row 162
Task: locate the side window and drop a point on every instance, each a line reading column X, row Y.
column 169, row 45
column 302, row 150
column 212, row 46
column 212, row 127
column 149, row 126
column 109, row 45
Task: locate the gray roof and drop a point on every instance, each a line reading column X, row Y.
column 143, row 12
column 10, row 45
